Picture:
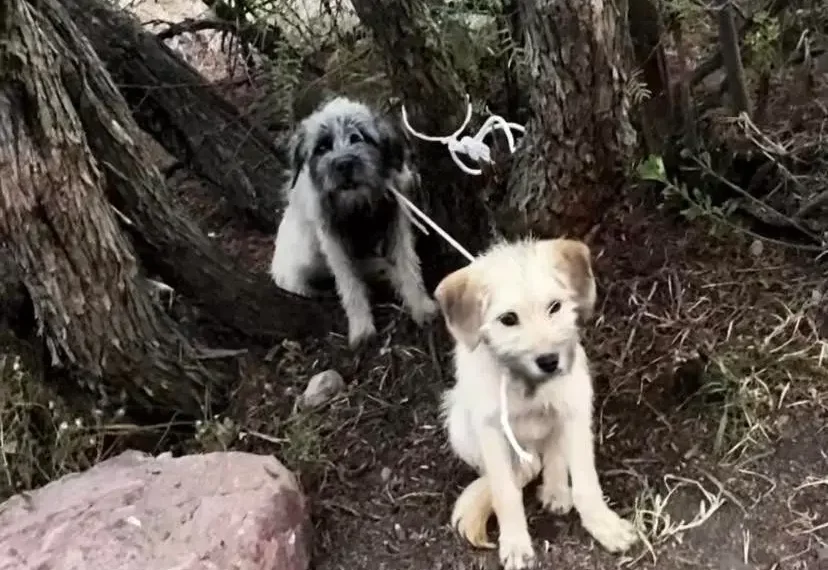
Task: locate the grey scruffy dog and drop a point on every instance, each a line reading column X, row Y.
column 342, row 220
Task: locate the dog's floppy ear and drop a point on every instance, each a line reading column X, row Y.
column 573, row 259
column 392, row 143
column 460, row 299
column 298, row 156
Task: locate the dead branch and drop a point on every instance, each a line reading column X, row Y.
column 732, row 57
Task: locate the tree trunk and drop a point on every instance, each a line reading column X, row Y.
column 732, row 57
column 167, row 241
column 77, row 267
column 176, row 104
column 423, row 74
column 685, row 111
column 647, row 32
column 66, row 140
column 570, row 165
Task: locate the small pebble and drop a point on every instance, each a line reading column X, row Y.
column 385, row 474
column 399, row 532
column 321, row 388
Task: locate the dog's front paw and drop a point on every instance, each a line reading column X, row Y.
column 360, row 332
column 423, row 310
column 611, row 531
column 557, row 499
column 292, row 284
column 516, row 553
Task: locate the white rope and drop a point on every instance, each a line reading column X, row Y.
column 443, row 233
column 473, row 147
column 477, row 150
column 524, row 455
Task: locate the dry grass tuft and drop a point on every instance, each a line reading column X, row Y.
column 654, row 522
column 41, row 436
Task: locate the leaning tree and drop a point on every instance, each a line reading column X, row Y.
column 193, row 122
column 84, row 215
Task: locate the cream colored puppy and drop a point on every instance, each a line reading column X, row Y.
column 514, row 316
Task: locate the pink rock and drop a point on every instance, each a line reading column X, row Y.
column 220, row 511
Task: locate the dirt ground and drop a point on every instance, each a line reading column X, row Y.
column 710, row 413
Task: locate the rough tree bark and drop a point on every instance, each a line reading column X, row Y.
column 61, row 232
column 165, row 238
column 580, row 137
column 67, row 143
column 423, row 74
column 175, row 103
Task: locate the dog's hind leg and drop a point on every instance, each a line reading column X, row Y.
column 296, row 254
column 475, row 506
column 406, row 275
column 351, row 289
column 498, row 490
column 506, row 481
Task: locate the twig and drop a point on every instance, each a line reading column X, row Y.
column 741, row 191
column 735, row 227
column 191, row 26
column 218, row 353
column 267, row 39
column 812, row 204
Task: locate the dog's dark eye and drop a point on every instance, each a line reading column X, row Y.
column 509, row 319
column 323, row 146
column 356, row 138
column 554, row 307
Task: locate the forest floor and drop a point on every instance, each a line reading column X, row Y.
column 711, row 410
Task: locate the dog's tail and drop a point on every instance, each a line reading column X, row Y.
column 472, row 511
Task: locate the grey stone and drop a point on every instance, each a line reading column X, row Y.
column 321, row 388
column 218, row 511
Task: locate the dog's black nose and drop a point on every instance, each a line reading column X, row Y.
column 344, row 165
column 547, row 362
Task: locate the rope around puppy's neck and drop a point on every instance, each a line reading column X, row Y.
column 524, row 455
column 476, row 149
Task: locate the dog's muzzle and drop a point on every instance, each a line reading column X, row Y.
column 344, row 167
column 348, row 173
column 546, row 367
column 548, row 363
column 532, row 380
